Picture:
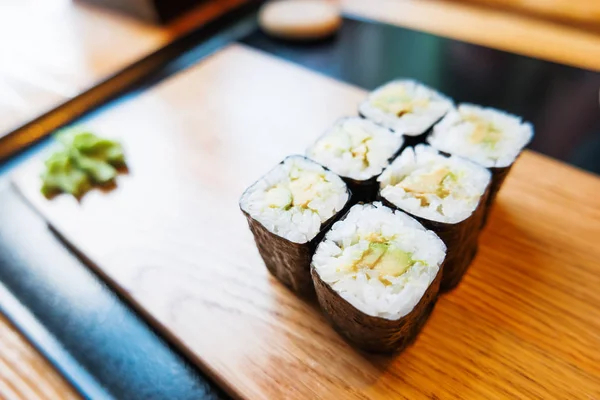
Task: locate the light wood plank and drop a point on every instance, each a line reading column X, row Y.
column 24, row 373
column 523, row 324
column 488, row 27
column 581, row 12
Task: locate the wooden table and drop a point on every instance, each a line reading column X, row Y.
column 583, row 13
column 24, row 373
column 504, row 31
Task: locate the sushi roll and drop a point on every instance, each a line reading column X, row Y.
column 358, row 150
column 445, row 194
column 287, row 211
column 489, row 137
column 407, row 107
column 377, row 274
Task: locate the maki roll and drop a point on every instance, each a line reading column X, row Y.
column 358, row 150
column 447, row 195
column 489, row 137
column 377, row 275
column 287, row 210
column 407, row 107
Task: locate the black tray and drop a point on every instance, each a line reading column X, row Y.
column 106, row 350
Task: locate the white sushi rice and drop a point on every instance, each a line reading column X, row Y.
column 405, row 106
column 487, row 136
column 339, row 260
column 356, row 148
column 295, row 198
column 429, row 185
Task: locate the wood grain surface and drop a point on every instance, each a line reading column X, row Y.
column 24, row 373
column 525, row 322
column 585, row 13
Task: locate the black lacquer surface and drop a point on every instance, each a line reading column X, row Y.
column 562, row 102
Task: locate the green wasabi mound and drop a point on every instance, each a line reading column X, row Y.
column 84, row 159
column 61, row 175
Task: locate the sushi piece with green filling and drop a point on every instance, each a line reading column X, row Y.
column 447, row 195
column 407, row 107
column 358, row 150
column 288, row 211
column 486, row 136
column 377, row 274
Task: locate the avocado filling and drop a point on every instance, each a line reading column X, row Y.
column 424, row 184
column 302, row 188
column 484, row 132
column 385, row 258
column 361, row 152
column 395, row 100
column 357, row 144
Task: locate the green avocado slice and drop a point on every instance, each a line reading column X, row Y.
column 386, row 258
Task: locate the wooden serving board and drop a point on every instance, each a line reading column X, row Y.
column 525, row 322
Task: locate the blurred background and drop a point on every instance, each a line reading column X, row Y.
column 579, row 13
column 60, row 48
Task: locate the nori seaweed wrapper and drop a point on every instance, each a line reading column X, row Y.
column 461, row 240
column 288, row 261
column 498, row 177
column 375, row 334
column 363, row 191
column 411, row 141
